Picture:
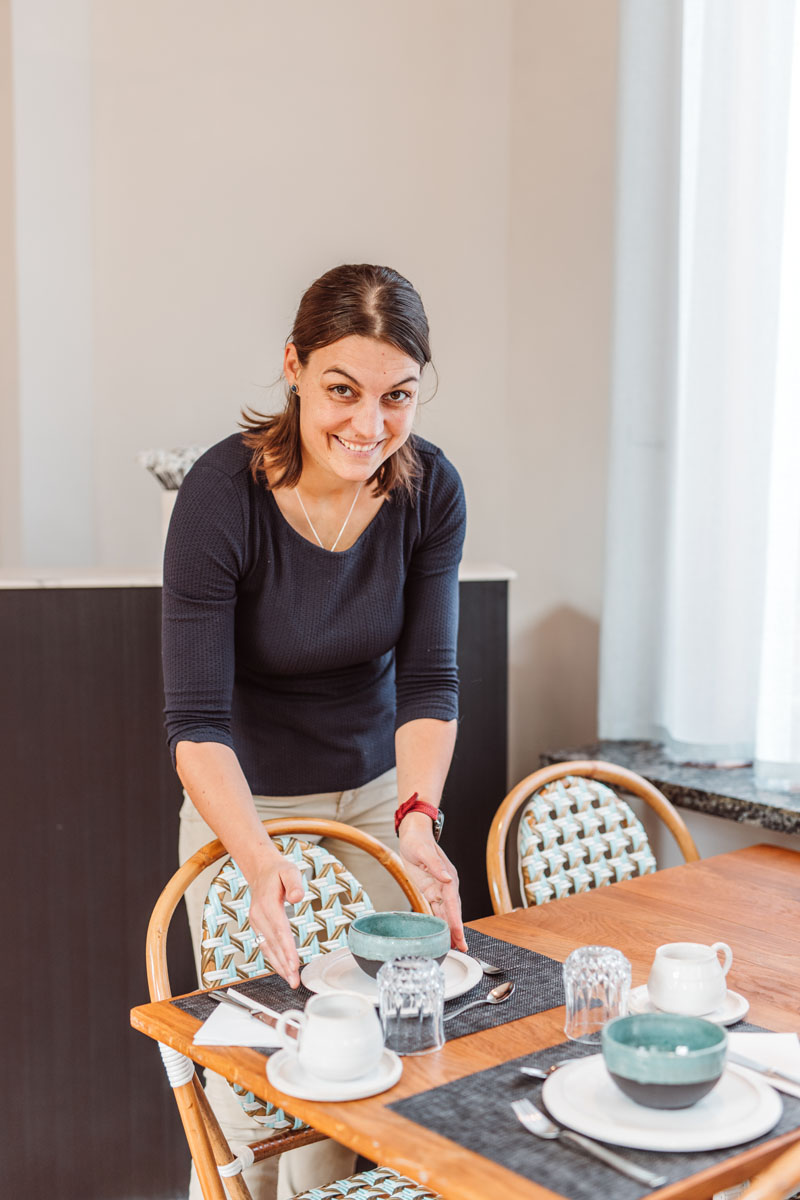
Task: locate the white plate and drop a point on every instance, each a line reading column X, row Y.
column 339, row 972
column 584, row 1097
column 734, row 1008
column 284, row 1072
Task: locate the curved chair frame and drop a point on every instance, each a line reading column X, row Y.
column 604, row 772
column 207, row 1143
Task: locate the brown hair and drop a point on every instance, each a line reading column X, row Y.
column 364, row 300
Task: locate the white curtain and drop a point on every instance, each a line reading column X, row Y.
column 701, row 627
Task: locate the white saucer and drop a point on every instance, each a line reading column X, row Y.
column 734, row 1008
column 339, row 972
column 584, row 1097
column 284, row 1072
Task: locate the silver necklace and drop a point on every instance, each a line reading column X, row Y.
column 341, row 531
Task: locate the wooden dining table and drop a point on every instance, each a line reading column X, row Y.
column 749, row 898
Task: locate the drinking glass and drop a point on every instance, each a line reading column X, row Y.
column 411, row 1005
column 597, row 980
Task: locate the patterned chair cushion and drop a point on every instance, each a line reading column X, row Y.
column 576, row 834
column 379, row 1184
column 333, row 899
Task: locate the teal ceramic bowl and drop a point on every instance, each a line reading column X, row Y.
column 664, row 1060
column 378, row 937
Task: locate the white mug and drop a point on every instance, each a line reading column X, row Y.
column 340, row 1036
column 688, row 977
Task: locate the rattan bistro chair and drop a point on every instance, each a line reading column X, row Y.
column 320, row 921
column 575, row 833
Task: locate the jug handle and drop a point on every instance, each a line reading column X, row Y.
column 298, row 1019
column 727, row 955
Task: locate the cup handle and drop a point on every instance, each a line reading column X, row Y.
column 297, row 1018
column 727, row 955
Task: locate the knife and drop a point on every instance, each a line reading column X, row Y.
column 240, row 1004
column 762, row 1068
column 250, row 1003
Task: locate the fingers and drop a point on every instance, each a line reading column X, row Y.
column 447, row 904
column 279, row 947
column 283, row 884
column 436, row 878
column 293, row 889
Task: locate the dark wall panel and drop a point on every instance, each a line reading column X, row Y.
column 477, row 781
column 90, row 804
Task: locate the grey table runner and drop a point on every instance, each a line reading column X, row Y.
column 538, row 979
column 475, row 1113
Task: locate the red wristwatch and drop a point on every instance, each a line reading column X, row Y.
column 414, row 804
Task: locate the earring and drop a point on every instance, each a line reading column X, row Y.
column 293, row 389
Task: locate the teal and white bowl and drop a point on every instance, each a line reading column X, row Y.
column 378, row 937
column 663, row 1060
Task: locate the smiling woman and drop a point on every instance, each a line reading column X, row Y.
column 310, row 620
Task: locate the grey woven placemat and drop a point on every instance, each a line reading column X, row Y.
column 539, row 986
column 537, row 978
column 475, row 1112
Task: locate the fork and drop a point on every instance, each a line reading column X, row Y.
column 537, row 1123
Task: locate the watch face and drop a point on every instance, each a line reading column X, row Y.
column 437, row 825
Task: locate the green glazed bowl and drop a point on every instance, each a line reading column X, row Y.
column 663, row 1060
column 378, row 937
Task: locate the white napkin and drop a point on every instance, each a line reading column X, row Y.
column 229, row 1027
column 777, row 1050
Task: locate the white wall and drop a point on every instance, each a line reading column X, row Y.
column 560, row 286
column 51, row 164
column 9, row 392
column 238, row 159
column 236, row 153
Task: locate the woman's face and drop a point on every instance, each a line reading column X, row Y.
column 358, row 397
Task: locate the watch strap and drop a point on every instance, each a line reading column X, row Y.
column 414, row 804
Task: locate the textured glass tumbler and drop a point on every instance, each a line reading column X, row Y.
column 597, row 980
column 411, row 1005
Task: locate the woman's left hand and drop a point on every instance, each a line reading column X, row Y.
column 431, row 870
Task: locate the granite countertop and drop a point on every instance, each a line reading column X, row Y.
column 729, row 792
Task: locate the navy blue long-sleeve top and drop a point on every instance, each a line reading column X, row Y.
column 304, row 661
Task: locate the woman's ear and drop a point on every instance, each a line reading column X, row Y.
column 291, row 364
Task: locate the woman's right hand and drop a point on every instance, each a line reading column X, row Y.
column 277, row 882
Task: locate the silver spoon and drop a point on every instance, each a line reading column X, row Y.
column 488, row 968
column 498, row 995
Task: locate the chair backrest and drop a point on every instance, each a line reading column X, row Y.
column 574, row 833
column 156, row 949
column 320, row 921
column 333, row 899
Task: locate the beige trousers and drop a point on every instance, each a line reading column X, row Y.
column 371, row 809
